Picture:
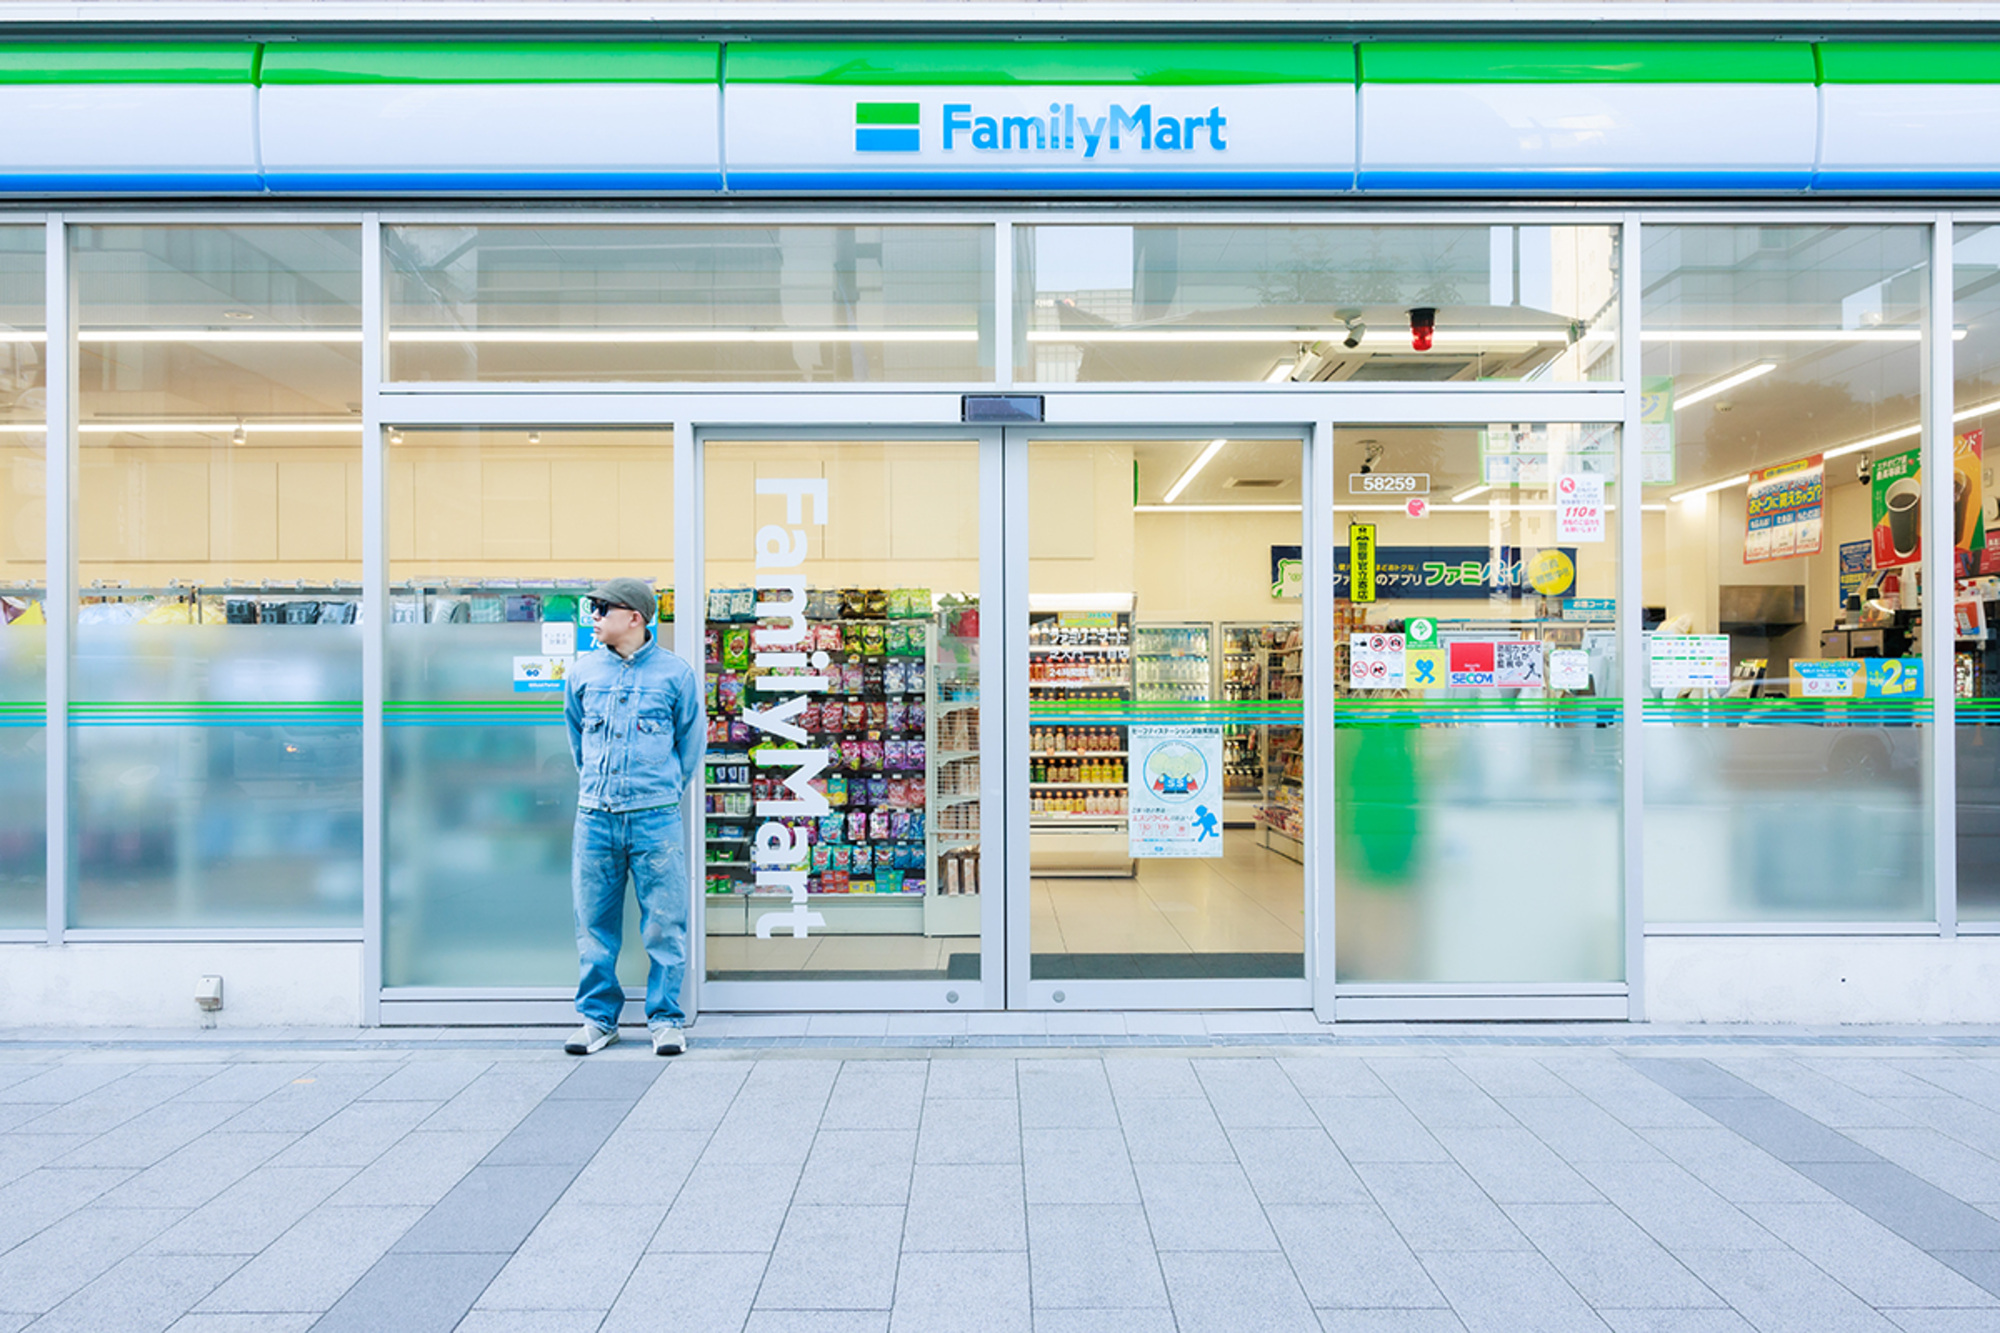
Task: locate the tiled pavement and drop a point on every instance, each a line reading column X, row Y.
column 1369, row 1180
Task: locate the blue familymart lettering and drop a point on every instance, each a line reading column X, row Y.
column 1064, row 130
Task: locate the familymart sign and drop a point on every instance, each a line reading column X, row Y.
column 897, row 127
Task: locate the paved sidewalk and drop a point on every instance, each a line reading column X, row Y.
column 1377, row 1181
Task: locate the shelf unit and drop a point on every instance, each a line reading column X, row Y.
column 1282, row 815
column 1245, row 664
column 1079, row 829
column 952, row 899
column 1172, row 662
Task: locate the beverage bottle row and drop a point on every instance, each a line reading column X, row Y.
column 1076, row 770
column 1076, row 802
column 1047, row 739
column 1177, row 642
column 1177, row 693
column 1187, row 669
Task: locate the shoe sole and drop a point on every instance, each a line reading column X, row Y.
column 671, row 1050
column 571, row 1048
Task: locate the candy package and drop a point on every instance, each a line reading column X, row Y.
column 728, row 692
column 913, row 676
column 854, row 678
column 711, row 646
column 876, row 604
column 895, row 756
column 898, row 642
column 897, row 603
column 871, row 677
column 708, row 694
column 871, row 756
column 822, row 858
column 808, row 718
column 857, row 826
column 836, row 789
column 878, row 790
column 914, row 717
column 836, row 753
column 888, row 881
column 826, row 636
column 895, row 715
column 878, row 825
column 736, row 647
column 885, row 856
column 743, row 604
column 718, row 603
column 878, row 716
column 915, row 750
column 853, row 603
column 842, row 858
column 874, row 640
column 920, row 602
column 893, row 676
column 832, row 828
column 917, row 825
column 909, row 856
column 739, row 732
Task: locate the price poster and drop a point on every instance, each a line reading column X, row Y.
column 1580, row 507
column 1687, row 661
column 1375, row 661
column 1174, row 792
column 1783, row 510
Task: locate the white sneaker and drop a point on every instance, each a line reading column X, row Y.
column 669, row 1039
column 590, row 1039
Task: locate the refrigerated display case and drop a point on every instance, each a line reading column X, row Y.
column 1172, row 662
column 1078, row 657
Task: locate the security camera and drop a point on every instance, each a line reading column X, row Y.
column 1864, row 469
column 1356, row 331
column 1423, row 327
column 1371, row 454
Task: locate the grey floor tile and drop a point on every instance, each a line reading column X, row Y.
column 859, row 1166
column 356, row 1134
column 1869, row 1260
column 834, row 1258
column 1255, row 1092
column 239, row 1323
column 1785, row 1132
column 1376, row 1129
column 817, row 1321
column 300, row 1106
column 1675, row 1321
column 1235, row 1293
column 419, row 1169
column 963, row 1293
column 1295, row 1166
column 689, row 1096
column 638, row 1166
column 1676, row 1209
column 1941, row 1321
column 312, row 1265
column 577, row 1257
column 22, row 1153
column 617, row 1080
column 729, row 1206
column 1778, row 1291
column 1505, row 1293
column 1606, row 1257
column 687, row 1293
column 61, row 1258
column 565, row 1133
column 1064, row 1094
column 1579, row 1130
column 970, row 1130
column 1149, row 1075
column 1513, row 1166
column 1176, row 1129
column 412, row 1293
column 1349, row 1256
column 149, row 1136
column 1954, row 1167
column 791, row 1080
column 1437, row 1206
column 1919, row 1212
column 1092, row 1256
column 247, row 1081
column 1735, row 1169
column 1389, row 1321
column 191, row 1176
column 530, row 1321
column 1512, row 1076
column 876, row 1094
column 48, row 1195
column 966, row 1207
column 953, row 1077
column 1331, row 1075
column 1202, row 1206
column 1628, row 1095
column 1687, row 1077
column 1826, row 1100
column 490, row 1211
column 1078, row 1166
column 1158, row 1320
column 141, row 1294
column 428, row 1081
column 64, row 1083
column 253, row 1212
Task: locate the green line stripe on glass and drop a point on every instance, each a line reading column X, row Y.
column 490, row 62
column 1141, row 64
column 1586, row 62
column 1910, row 62
column 127, row 62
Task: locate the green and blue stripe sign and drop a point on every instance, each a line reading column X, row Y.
column 888, row 127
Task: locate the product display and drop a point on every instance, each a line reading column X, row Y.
column 1245, row 661
column 1171, row 662
column 1283, row 812
column 1079, row 662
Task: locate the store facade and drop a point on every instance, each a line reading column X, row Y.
column 1394, row 529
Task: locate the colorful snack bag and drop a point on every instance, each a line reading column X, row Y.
column 743, row 604
column 914, row 716
column 728, row 692
column 874, row 640
column 896, row 715
column 736, row 647
column 878, row 716
column 836, row 789
column 878, row 790
column 822, row 858
column 739, row 732
column 913, row 676
column 895, row 757
column 917, row 760
column 826, row 636
column 831, row 828
column 854, row 678
column 885, row 856
column 711, row 646
column 708, row 695
column 843, row 858
column 718, row 603
column 917, row 818
column 857, row 826
column 853, row 603
column 888, row 881
column 871, row 756
column 920, row 602
column 876, row 604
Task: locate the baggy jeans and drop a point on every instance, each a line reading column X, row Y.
column 647, row 845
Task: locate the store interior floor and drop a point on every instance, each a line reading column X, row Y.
column 1240, row 914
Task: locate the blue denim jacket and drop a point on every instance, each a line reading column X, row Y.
column 636, row 728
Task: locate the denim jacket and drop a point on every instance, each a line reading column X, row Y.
column 636, row 729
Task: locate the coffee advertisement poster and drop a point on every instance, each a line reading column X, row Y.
column 1895, row 503
column 1968, row 501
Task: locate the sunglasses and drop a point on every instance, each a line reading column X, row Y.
column 600, row 607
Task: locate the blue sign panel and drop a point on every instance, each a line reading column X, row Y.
column 1455, row 573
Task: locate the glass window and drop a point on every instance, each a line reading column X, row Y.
column 1166, row 673
column 844, row 816
column 495, row 537
column 23, row 581
column 1976, row 661
column 1315, row 304
column 1477, row 725
column 216, row 712
column 713, row 304
column 1785, row 719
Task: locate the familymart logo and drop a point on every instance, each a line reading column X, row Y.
column 897, row 127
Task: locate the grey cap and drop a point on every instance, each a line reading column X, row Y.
column 634, row 593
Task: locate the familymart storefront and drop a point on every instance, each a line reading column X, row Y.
column 1386, row 527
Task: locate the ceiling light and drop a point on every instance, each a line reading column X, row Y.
column 1281, row 372
column 534, row 437
column 395, row 436
column 1842, row 450
column 684, row 335
column 1200, row 462
column 1725, row 384
column 1471, row 491
column 236, row 436
column 1217, row 509
column 216, row 427
column 237, row 314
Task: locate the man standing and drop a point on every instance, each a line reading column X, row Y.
column 636, row 733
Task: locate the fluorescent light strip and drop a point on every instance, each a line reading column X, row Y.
column 1251, row 335
column 1200, row 462
column 218, row 427
column 679, row 336
column 1281, row 372
column 1216, row 509
column 1725, row 384
column 1841, row 451
column 1471, row 491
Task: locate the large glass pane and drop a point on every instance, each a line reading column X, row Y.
column 1976, row 663
column 216, row 714
column 844, row 813
column 1166, row 796
column 494, row 538
column 1315, row 304
column 797, row 304
column 23, row 582
column 1477, row 753
column 1786, row 724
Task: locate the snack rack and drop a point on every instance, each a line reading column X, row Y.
column 1246, row 648
column 1283, row 812
column 875, row 718
column 1078, row 654
column 952, row 904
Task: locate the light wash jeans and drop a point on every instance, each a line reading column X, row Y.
column 647, row 845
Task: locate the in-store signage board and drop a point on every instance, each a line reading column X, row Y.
column 1173, row 791
column 1361, row 554
column 1389, row 483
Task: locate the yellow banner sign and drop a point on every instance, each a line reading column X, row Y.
column 1361, row 558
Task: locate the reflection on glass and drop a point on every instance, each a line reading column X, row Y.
column 852, row 568
column 795, row 304
column 1315, row 304
column 1976, row 662
column 215, row 721
column 1786, row 718
column 1477, row 753
column 23, row 584
column 1166, row 793
column 494, row 538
